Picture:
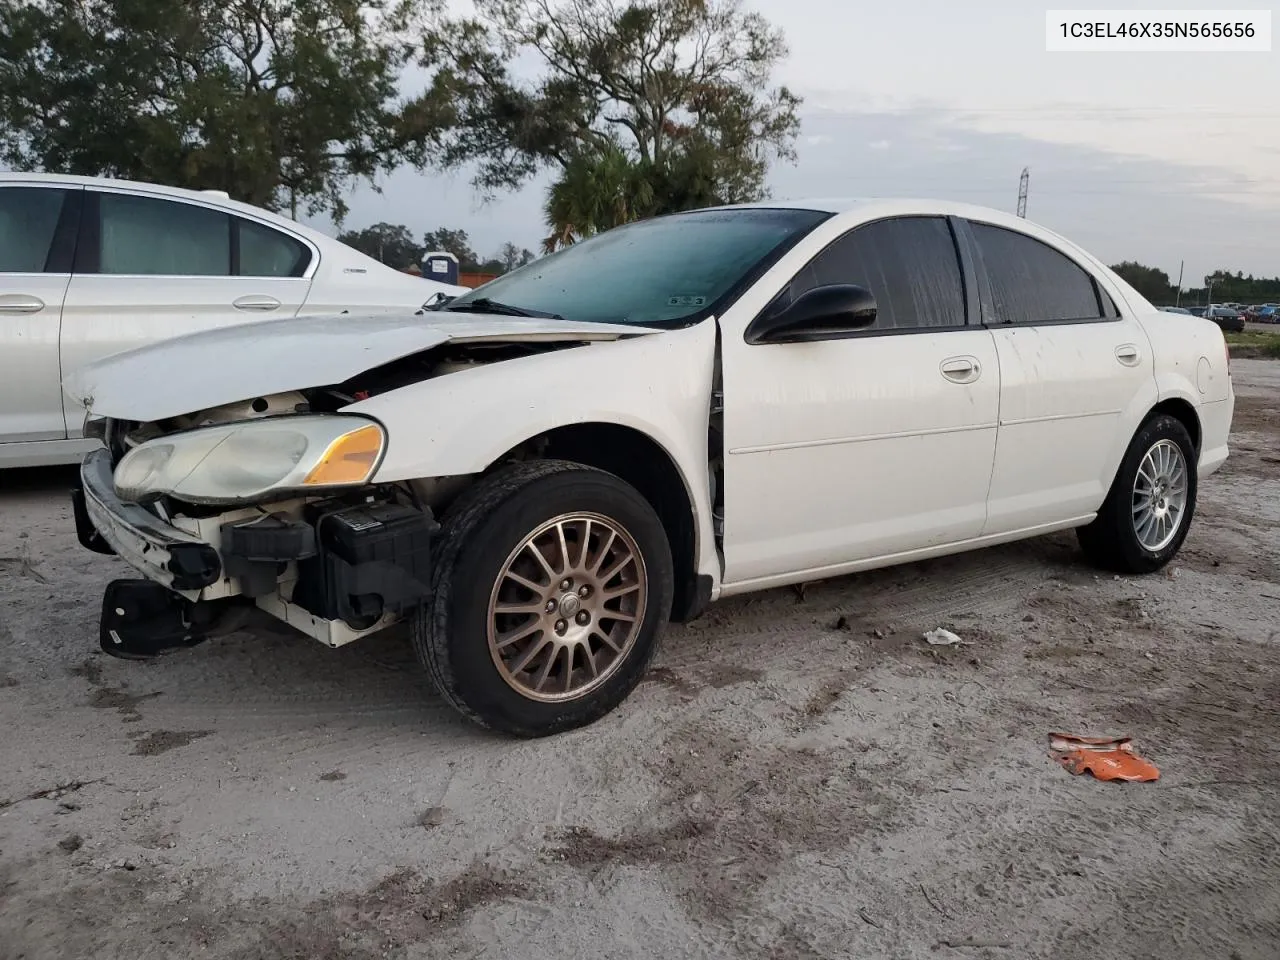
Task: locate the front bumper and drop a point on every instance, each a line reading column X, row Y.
column 299, row 580
column 158, row 550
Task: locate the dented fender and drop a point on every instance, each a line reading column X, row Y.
column 461, row 424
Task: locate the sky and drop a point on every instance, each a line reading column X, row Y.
column 1156, row 157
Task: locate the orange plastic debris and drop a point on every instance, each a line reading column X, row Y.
column 1107, row 758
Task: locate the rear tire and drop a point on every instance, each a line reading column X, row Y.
column 1148, row 511
column 539, row 622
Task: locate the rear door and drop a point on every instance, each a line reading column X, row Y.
column 37, row 242
column 1075, row 378
column 150, row 267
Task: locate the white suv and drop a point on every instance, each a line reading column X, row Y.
column 90, row 267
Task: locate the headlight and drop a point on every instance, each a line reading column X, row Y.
column 246, row 461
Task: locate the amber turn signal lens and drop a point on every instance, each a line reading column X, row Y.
column 349, row 459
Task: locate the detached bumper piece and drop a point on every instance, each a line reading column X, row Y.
column 142, row 620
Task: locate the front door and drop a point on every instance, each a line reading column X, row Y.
column 37, row 240
column 870, row 445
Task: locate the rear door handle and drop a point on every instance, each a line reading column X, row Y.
column 20, row 303
column 1127, row 353
column 256, row 302
column 961, row 369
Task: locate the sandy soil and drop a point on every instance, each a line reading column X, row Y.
column 801, row 776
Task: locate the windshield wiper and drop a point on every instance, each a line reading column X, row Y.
column 485, row 305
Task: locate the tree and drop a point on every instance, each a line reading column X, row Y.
column 273, row 101
column 453, row 241
column 387, row 243
column 1151, row 282
column 677, row 87
column 511, row 257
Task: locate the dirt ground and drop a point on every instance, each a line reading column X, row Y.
column 800, row 776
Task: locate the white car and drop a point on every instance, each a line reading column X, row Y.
column 681, row 409
column 91, row 267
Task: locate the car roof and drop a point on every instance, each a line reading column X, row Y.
column 870, row 208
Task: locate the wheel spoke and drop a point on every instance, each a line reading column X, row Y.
column 590, row 657
column 614, row 570
column 621, row 591
column 604, row 553
column 607, row 639
column 617, row 615
column 565, row 566
column 525, row 582
column 529, row 654
column 568, row 669
column 552, row 656
column 525, row 606
column 542, row 561
column 586, row 545
column 516, row 634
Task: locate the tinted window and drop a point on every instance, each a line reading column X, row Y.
column 672, row 269
column 269, row 253
column 909, row 264
column 144, row 235
column 1032, row 282
column 28, row 222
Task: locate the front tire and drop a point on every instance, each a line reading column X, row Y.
column 551, row 589
column 1148, row 511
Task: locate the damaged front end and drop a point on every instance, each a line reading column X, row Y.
column 265, row 506
column 267, row 503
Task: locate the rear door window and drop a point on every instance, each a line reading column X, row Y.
column 264, row 252
column 148, row 236
column 1033, row 283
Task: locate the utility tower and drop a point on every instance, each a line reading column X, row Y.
column 1023, row 184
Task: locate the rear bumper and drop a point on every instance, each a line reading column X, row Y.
column 156, row 549
column 1215, row 427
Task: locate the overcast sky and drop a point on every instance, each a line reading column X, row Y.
column 1156, row 157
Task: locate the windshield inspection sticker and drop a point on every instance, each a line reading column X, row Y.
column 686, row 301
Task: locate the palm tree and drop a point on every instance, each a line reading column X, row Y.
column 596, row 192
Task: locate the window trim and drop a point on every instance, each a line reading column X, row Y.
column 968, row 294
column 1101, row 295
column 88, row 257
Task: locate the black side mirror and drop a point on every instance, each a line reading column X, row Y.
column 823, row 313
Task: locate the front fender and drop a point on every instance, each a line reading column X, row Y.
column 461, row 423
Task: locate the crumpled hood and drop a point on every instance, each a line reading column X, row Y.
column 213, row 367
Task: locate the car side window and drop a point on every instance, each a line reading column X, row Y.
column 1033, row 283
column 28, row 224
column 147, row 236
column 910, row 265
column 269, row 253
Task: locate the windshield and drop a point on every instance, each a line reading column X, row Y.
column 669, row 270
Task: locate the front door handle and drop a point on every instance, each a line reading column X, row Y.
column 961, row 369
column 256, row 302
column 1128, row 354
column 20, row 303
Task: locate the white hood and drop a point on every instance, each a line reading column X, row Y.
column 214, row 367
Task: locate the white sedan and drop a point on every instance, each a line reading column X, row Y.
column 541, row 473
column 91, row 267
